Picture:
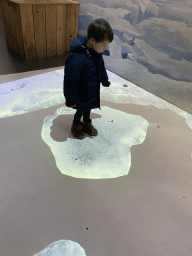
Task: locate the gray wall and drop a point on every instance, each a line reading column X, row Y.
column 152, row 44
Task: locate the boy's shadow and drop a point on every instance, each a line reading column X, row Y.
column 61, row 127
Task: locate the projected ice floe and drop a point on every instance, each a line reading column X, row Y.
column 46, row 90
column 62, row 248
column 105, row 156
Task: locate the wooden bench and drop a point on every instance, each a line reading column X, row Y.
column 36, row 29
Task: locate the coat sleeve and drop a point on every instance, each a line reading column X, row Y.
column 73, row 68
column 104, row 76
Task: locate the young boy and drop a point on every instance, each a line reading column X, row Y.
column 84, row 71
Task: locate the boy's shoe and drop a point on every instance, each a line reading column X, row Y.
column 76, row 129
column 88, row 128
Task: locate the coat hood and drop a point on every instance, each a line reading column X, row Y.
column 78, row 45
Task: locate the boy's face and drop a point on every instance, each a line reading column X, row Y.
column 98, row 47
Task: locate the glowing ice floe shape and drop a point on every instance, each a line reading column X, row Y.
column 106, row 155
column 62, row 248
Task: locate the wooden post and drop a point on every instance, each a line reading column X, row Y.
column 37, row 29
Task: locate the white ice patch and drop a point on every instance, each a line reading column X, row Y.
column 105, row 156
column 62, row 248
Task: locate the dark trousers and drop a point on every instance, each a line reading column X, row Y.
column 82, row 112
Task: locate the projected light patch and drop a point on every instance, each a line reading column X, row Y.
column 105, row 156
column 31, row 94
column 61, row 248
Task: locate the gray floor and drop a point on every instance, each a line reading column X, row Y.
column 147, row 212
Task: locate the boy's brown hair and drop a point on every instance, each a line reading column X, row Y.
column 100, row 30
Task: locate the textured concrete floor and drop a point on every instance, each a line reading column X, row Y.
column 147, row 212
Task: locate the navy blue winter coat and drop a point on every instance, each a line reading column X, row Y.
column 84, row 71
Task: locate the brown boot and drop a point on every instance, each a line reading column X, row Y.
column 87, row 127
column 76, row 129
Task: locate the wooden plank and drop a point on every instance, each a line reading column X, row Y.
column 1, row 11
column 39, row 30
column 51, row 29
column 72, row 24
column 61, row 29
column 6, row 25
column 18, row 31
column 11, row 13
column 28, row 31
column 49, row 2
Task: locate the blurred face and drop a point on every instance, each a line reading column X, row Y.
column 98, row 47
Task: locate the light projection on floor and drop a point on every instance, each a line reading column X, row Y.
column 105, row 156
column 62, row 248
column 46, row 90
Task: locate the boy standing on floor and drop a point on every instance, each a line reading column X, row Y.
column 84, row 71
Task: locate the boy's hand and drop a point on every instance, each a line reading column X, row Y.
column 107, row 84
column 70, row 104
column 73, row 106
